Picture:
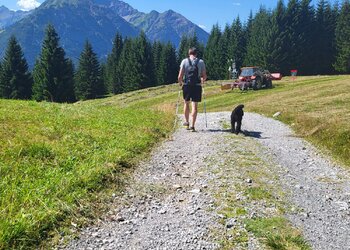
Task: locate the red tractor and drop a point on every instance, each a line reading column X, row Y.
column 255, row 78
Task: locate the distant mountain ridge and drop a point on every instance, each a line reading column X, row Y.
column 169, row 25
column 96, row 20
column 8, row 17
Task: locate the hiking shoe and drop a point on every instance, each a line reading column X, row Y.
column 186, row 125
column 192, row 129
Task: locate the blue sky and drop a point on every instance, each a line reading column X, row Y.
column 204, row 13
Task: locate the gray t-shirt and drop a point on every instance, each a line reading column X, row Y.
column 201, row 66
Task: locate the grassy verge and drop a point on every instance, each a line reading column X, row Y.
column 53, row 157
column 252, row 211
column 318, row 108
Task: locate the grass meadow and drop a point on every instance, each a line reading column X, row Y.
column 53, row 157
column 317, row 108
column 57, row 160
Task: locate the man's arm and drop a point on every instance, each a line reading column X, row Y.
column 203, row 74
column 204, row 77
column 181, row 75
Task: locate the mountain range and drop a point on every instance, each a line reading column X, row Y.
column 8, row 17
column 95, row 20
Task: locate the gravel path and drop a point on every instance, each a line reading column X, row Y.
column 317, row 186
column 171, row 202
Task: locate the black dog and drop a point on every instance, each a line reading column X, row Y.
column 236, row 116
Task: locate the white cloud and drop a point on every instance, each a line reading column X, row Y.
column 28, row 4
column 202, row 26
column 237, row 4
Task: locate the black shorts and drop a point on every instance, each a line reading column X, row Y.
column 192, row 93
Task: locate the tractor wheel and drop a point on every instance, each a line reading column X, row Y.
column 257, row 83
column 268, row 83
column 243, row 87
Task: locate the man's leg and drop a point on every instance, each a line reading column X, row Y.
column 196, row 97
column 187, row 111
column 194, row 113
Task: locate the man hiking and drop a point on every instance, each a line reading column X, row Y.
column 192, row 76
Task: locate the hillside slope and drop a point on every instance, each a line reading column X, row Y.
column 54, row 158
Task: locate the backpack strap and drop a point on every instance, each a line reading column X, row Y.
column 195, row 61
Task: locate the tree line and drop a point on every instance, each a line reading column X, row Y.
column 133, row 63
column 313, row 40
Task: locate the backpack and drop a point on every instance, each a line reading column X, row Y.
column 191, row 77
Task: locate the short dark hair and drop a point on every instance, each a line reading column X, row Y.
column 192, row 51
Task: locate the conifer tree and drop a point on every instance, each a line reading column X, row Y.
column 52, row 73
column 325, row 34
column 66, row 89
column 113, row 74
column 88, row 78
column 227, row 51
column 277, row 57
column 143, row 62
column 129, row 67
column 213, row 55
column 104, row 76
column 292, row 36
column 247, row 30
column 237, row 43
column 168, row 64
column 259, row 38
column 183, row 48
column 306, row 42
column 15, row 79
column 342, row 63
column 157, row 64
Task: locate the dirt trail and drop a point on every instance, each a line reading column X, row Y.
column 178, row 198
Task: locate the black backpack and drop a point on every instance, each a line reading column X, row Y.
column 191, row 77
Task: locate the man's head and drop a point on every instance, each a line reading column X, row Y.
column 192, row 52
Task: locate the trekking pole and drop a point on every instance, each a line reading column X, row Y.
column 177, row 109
column 205, row 109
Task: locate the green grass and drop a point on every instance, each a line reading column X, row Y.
column 257, row 193
column 260, row 209
column 57, row 160
column 53, row 157
column 276, row 233
column 318, row 108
